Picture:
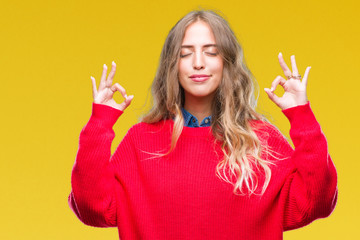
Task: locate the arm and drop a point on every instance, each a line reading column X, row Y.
column 310, row 191
column 93, row 181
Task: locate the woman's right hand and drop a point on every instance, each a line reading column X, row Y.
column 104, row 95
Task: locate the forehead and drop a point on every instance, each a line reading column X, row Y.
column 198, row 33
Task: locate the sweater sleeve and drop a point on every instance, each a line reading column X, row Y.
column 92, row 198
column 310, row 190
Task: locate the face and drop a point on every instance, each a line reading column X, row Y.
column 200, row 65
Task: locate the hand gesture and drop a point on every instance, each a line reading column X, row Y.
column 104, row 95
column 295, row 89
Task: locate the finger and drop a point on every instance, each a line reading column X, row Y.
column 118, row 87
column 111, row 74
column 273, row 96
column 278, row 80
column 94, row 89
column 102, row 84
column 306, row 74
column 127, row 102
column 283, row 65
column 293, row 66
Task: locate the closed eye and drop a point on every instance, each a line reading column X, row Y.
column 212, row 54
column 184, row 55
column 209, row 53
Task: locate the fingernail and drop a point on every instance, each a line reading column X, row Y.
column 280, row 54
column 91, row 77
column 113, row 63
column 105, row 65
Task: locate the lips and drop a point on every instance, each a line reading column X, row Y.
column 199, row 77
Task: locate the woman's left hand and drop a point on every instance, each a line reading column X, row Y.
column 295, row 88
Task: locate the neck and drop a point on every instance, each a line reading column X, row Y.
column 199, row 107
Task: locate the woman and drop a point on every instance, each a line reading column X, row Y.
column 233, row 176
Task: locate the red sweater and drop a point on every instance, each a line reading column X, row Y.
column 180, row 197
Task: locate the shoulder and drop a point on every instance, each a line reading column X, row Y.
column 267, row 131
column 275, row 144
column 263, row 127
column 150, row 137
column 143, row 128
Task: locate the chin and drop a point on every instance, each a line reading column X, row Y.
column 202, row 94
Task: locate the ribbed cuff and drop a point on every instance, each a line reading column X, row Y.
column 300, row 116
column 106, row 114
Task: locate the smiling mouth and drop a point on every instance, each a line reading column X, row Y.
column 200, row 78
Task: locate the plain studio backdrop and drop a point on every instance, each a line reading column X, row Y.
column 49, row 50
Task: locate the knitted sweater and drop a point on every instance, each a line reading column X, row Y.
column 179, row 196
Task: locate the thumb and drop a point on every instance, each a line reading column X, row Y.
column 122, row 106
column 273, row 97
column 128, row 100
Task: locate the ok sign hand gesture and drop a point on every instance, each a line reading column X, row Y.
column 104, row 95
column 294, row 87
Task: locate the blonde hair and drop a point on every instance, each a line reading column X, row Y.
column 232, row 109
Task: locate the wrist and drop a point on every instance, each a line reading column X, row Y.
column 106, row 114
column 295, row 105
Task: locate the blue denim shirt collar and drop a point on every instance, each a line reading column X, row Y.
column 191, row 121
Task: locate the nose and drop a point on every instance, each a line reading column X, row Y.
column 198, row 62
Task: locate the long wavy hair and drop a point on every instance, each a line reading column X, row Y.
column 233, row 106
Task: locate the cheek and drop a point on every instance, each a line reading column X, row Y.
column 183, row 69
column 220, row 69
column 181, row 73
column 217, row 67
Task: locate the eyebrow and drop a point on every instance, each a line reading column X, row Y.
column 206, row 45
